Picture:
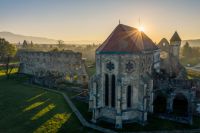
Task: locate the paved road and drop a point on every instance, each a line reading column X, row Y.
column 194, row 68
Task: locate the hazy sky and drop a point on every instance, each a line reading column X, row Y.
column 94, row 20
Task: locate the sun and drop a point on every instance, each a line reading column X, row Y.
column 141, row 28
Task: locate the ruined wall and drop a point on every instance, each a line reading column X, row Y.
column 66, row 64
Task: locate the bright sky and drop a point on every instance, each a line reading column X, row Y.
column 94, row 20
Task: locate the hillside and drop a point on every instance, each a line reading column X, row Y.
column 15, row 38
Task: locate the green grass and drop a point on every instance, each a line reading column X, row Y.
column 26, row 108
column 83, row 107
column 153, row 124
column 191, row 61
column 91, row 71
column 193, row 74
column 2, row 72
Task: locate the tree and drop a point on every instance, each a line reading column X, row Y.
column 55, row 50
column 61, row 44
column 7, row 52
column 187, row 50
column 25, row 44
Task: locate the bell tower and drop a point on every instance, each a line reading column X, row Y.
column 175, row 43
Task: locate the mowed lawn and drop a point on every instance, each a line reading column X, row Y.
column 26, row 108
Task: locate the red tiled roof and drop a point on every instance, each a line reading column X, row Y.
column 126, row 39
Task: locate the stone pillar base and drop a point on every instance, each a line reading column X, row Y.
column 118, row 123
column 94, row 120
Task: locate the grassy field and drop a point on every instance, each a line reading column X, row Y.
column 153, row 124
column 25, row 108
column 191, row 61
column 193, row 74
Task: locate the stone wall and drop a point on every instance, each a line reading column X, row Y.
column 129, row 70
column 65, row 64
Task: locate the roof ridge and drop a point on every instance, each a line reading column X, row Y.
column 175, row 37
column 126, row 39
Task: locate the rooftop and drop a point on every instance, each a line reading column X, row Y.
column 175, row 37
column 126, row 39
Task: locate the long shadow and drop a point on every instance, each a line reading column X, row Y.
column 35, row 105
column 72, row 125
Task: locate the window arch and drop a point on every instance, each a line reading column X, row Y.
column 180, row 105
column 106, row 89
column 113, row 91
column 129, row 91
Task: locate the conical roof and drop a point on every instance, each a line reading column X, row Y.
column 126, row 39
column 175, row 37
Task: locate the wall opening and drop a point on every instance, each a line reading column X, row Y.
column 180, row 105
column 160, row 104
column 106, row 89
column 113, row 91
column 129, row 92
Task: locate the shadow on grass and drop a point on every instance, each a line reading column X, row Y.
column 20, row 103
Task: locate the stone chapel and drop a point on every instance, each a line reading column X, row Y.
column 120, row 91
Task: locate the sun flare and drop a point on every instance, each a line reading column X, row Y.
column 141, row 28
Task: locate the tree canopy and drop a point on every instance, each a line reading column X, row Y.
column 7, row 52
column 187, row 50
column 6, row 49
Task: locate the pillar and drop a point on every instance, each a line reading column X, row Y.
column 151, row 102
column 118, row 123
column 144, row 111
column 170, row 103
column 95, row 110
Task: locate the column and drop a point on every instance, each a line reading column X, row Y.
column 151, row 102
column 144, row 115
column 118, row 123
column 95, row 111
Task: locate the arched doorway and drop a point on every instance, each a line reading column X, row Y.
column 180, row 105
column 160, row 104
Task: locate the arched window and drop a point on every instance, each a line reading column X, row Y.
column 106, row 89
column 113, row 91
column 129, row 91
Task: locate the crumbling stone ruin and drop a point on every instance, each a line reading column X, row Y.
column 49, row 68
column 173, row 92
column 169, row 58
